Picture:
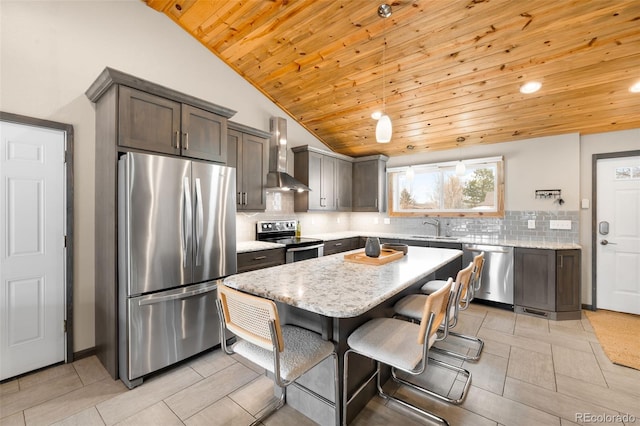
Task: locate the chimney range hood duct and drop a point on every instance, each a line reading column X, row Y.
column 278, row 178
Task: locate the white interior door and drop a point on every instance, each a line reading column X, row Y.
column 32, row 274
column 618, row 234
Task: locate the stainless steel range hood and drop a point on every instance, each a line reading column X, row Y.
column 278, row 178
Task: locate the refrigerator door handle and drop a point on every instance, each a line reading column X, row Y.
column 199, row 220
column 186, row 219
column 151, row 300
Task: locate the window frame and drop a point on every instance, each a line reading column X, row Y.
column 450, row 165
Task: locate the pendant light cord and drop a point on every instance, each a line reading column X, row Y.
column 384, row 61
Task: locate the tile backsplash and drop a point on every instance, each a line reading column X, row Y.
column 514, row 226
column 280, row 206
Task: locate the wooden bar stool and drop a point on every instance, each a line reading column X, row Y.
column 402, row 345
column 475, row 284
column 286, row 351
column 409, row 308
column 476, row 279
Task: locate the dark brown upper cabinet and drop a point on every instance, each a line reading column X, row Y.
column 248, row 151
column 154, row 123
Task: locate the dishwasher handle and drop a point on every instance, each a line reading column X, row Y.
column 497, row 249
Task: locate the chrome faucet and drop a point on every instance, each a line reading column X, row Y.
column 435, row 223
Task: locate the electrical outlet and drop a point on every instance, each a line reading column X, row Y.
column 387, row 221
column 375, row 220
column 560, row 224
column 531, row 224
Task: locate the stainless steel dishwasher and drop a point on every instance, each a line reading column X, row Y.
column 497, row 274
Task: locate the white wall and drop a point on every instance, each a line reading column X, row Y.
column 600, row 143
column 541, row 163
column 50, row 53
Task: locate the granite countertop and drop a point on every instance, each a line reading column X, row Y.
column 467, row 239
column 333, row 287
column 247, row 246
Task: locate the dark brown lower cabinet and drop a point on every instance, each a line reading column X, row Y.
column 341, row 245
column 547, row 283
column 252, row 260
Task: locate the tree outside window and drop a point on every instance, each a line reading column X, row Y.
column 436, row 189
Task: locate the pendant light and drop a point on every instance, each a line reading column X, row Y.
column 384, row 127
column 461, row 169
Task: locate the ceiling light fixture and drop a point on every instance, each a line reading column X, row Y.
column 384, row 127
column 409, row 173
column 530, row 87
column 461, row 168
column 635, row 88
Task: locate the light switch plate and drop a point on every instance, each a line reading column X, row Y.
column 531, row 224
column 560, row 224
column 585, row 203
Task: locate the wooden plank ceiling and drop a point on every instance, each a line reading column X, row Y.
column 452, row 68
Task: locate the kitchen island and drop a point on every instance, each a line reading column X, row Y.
column 333, row 297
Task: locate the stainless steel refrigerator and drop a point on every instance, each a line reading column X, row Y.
column 176, row 239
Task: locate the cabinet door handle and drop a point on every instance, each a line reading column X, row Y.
column 376, row 204
column 337, row 244
column 178, row 140
column 244, row 198
column 186, row 140
column 561, row 260
column 239, row 198
column 260, row 258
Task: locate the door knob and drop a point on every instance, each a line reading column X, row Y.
column 605, row 242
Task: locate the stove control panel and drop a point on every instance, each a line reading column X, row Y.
column 270, row 226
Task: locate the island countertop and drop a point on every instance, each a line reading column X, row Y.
column 333, row 287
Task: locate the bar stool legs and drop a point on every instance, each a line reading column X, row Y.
column 384, row 394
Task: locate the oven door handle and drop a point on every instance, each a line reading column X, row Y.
column 292, row 249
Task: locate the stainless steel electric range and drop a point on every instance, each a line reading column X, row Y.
column 284, row 232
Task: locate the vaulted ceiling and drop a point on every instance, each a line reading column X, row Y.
column 452, row 68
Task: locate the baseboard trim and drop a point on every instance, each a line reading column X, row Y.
column 85, row 353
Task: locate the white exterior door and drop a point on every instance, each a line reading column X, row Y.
column 618, row 234
column 32, row 229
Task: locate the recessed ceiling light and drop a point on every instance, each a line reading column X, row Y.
column 635, row 88
column 376, row 115
column 530, row 87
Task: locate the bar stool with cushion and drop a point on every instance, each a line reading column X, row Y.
column 409, row 308
column 286, row 351
column 468, row 294
column 402, row 345
column 476, row 279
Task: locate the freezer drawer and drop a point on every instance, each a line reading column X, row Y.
column 167, row 327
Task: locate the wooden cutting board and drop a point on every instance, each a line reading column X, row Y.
column 386, row 256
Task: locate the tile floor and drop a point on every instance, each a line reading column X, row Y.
column 532, row 372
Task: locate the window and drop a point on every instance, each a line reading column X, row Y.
column 437, row 190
